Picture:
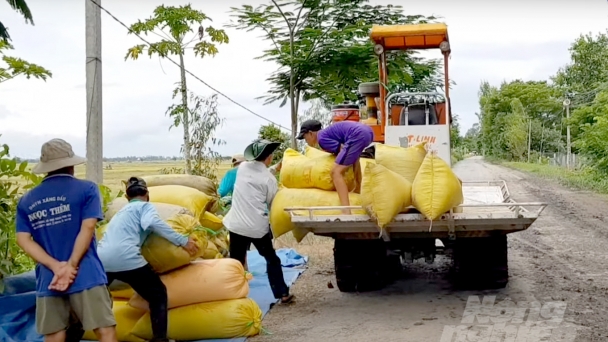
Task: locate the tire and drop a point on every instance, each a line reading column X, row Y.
column 360, row 265
column 481, row 263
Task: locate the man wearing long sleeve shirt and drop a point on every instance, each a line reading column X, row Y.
column 247, row 220
column 120, row 251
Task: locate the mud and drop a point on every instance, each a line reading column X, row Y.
column 560, row 263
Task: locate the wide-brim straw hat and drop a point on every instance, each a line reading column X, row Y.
column 56, row 154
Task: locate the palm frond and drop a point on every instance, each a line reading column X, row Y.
column 4, row 36
column 21, row 7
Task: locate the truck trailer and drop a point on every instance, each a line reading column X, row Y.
column 473, row 234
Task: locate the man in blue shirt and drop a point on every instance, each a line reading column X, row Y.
column 227, row 185
column 56, row 223
column 120, row 251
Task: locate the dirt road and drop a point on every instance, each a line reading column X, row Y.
column 561, row 262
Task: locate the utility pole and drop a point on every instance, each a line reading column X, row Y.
column 568, row 142
column 529, row 139
column 94, row 104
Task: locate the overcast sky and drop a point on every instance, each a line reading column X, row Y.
column 491, row 40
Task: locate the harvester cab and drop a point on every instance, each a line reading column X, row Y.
column 406, row 118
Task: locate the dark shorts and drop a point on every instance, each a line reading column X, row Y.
column 352, row 150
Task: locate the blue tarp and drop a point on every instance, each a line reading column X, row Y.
column 18, row 301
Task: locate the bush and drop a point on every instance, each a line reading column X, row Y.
column 14, row 180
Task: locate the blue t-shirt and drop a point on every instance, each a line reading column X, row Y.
column 52, row 213
column 227, row 184
column 120, row 246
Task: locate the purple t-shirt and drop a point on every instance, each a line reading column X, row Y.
column 353, row 135
column 53, row 213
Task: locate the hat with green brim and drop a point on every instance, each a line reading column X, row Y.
column 260, row 147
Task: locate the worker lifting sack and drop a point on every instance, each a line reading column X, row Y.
column 194, row 200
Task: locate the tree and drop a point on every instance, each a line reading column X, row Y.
column 503, row 109
column 174, row 25
column 275, row 134
column 589, row 64
column 21, row 7
column 205, row 120
column 16, row 67
column 323, row 49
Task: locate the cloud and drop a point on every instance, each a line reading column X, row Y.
column 491, row 41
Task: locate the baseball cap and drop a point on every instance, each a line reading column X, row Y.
column 309, row 126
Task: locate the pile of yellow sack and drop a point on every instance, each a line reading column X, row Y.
column 306, row 182
column 207, row 299
column 395, row 180
column 205, row 287
column 405, row 177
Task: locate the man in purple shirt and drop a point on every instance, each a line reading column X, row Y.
column 346, row 140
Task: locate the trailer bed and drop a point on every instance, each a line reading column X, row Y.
column 487, row 209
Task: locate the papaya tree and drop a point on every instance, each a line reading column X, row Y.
column 180, row 29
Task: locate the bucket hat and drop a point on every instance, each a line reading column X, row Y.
column 237, row 159
column 56, row 154
column 260, row 147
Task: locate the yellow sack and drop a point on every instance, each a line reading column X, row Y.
column 301, row 172
column 163, row 255
column 299, row 233
column 436, row 188
column 201, row 282
column 211, row 221
column 165, row 210
column 126, row 318
column 195, row 201
column 404, row 161
column 214, row 320
column 211, row 252
column 199, row 183
column 99, row 231
column 280, row 220
column 384, row 193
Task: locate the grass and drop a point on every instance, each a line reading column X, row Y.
column 122, row 171
column 586, row 179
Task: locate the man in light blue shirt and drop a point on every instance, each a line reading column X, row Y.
column 120, row 252
column 227, row 185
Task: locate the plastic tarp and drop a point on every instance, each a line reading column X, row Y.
column 18, row 301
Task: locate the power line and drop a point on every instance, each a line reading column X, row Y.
column 187, row 71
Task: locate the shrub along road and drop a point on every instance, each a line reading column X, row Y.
column 560, row 262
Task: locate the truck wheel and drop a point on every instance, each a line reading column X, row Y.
column 481, row 262
column 359, row 265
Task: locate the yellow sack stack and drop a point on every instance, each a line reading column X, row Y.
column 384, row 193
column 165, row 210
column 163, row 255
column 436, row 188
column 214, row 320
column 126, row 318
column 194, row 200
column 280, row 220
column 404, row 161
column 203, row 281
column 301, row 172
column 200, row 183
column 209, row 220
